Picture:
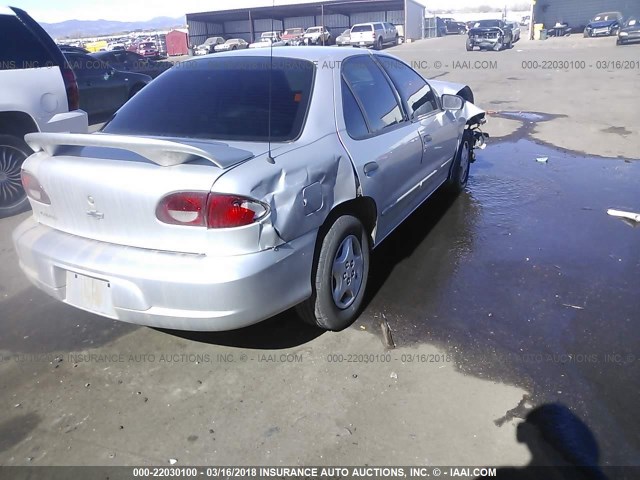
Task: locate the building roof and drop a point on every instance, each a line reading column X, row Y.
column 344, row 7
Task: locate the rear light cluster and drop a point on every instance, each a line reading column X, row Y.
column 33, row 188
column 71, row 85
column 210, row 210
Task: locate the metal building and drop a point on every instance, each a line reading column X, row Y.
column 336, row 15
column 577, row 13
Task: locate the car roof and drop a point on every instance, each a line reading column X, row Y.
column 314, row 54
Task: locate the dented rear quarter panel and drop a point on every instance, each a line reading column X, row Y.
column 308, row 178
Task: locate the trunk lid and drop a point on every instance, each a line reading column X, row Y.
column 107, row 187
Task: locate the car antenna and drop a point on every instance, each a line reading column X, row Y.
column 270, row 158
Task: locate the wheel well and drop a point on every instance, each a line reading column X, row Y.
column 363, row 208
column 17, row 124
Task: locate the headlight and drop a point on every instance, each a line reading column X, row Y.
column 623, row 34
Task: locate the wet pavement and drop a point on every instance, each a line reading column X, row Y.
column 526, row 280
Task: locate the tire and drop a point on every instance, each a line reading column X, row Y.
column 397, row 40
column 344, row 255
column 619, row 42
column 13, row 152
column 499, row 45
column 586, row 34
column 510, row 44
column 469, row 46
column 459, row 174
column 379, row 44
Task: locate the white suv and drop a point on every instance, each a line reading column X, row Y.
column 375, row 34
column 38, row 92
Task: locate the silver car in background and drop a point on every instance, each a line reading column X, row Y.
column 264, row 188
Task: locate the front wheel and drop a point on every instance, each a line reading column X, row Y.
column 586, row 34
column 339, row 277
column 13, row 152
column 459, row 175
column 469, row 46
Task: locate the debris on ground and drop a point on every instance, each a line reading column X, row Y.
column 542, row 159
column 173, row 461
column 394, row 375
column 630, row 218
column 576, row 307
column 387, row 337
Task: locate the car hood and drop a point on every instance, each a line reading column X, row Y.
column 484, row 30
column 635, row 28
column 606, row 23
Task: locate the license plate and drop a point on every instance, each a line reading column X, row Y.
column 361, row 43
column 90, row 294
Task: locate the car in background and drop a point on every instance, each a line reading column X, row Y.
column 38, row 93
column 103, row 89
column 293, row 36
column 126, row 61
column 147, row 49
column 317, row 36
column 515, row 29
column 630, row 31
column 455, row 28
column 490, row 35
column 604, row 25
column 115, row 46
column 525, row 21
column 208, row 46
column 374, row 34
column 72, row 49
column 213, row 215
column 268, row 39
column 344, row 38
column 232, row 44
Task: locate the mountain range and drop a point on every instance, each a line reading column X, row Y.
column 94, row 28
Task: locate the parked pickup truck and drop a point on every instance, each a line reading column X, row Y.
column 376, row 35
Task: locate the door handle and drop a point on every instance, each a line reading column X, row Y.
column 370, row 168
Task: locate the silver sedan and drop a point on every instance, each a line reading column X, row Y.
column 242, row 185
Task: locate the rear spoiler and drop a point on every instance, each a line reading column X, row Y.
column 165, row 153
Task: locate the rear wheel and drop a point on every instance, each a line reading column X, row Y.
column 379, row 44
column 469, row 46
column 339, row 277
column 13, row 152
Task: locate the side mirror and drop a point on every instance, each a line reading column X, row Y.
column 452, row 102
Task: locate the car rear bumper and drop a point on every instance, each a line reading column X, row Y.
column 165, row 289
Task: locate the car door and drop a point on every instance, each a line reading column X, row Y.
column 438, row 129
column 384, row 146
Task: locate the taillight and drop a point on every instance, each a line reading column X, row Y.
column 71, row 85
column 33, row 189
column 210, row 210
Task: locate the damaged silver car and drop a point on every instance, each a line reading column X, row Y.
column 235, row 187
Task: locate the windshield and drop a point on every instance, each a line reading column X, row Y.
column 487, row 24
column 236, row 102
column 632, row 22
column 346, row 33
column 606, row 17
column 313, row 30
column 293, row 31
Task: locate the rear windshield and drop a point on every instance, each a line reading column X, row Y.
column 362, row 28
column 222, row 98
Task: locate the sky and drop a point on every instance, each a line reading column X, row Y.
column 51, row 11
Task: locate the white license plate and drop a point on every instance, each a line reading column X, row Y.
column 90, row 294
column 361, row 43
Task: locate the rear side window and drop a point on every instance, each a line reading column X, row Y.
column 362, row 28
column 19, row 48
column 414, row 90
column 353, row 118
column 233, row 98
column 371, row 88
